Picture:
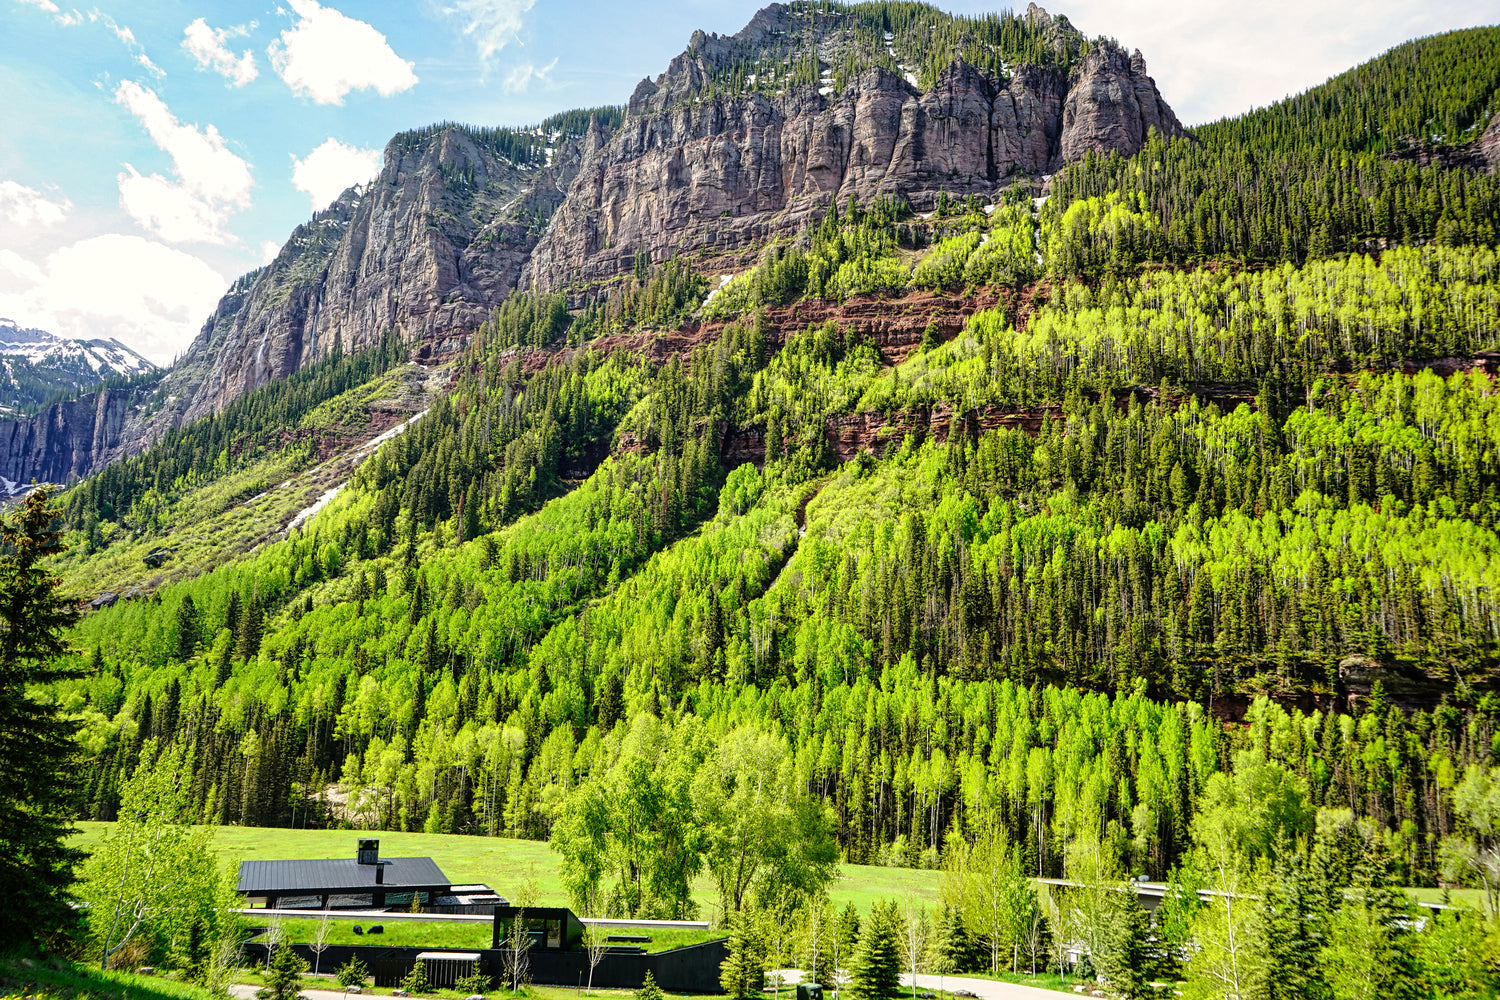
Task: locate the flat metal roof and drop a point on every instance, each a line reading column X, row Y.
column 286, row 878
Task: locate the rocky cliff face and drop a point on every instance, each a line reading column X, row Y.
column 70, row 439
column 689, row 173
column 743, row 139
column 427, row 249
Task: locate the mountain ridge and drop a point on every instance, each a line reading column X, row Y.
column 483, row 210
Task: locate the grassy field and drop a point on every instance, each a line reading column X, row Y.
column 455, row 935
column 506, row 864
column 532, row 992
column 49, row 978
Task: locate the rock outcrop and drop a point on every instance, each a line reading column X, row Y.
column 711, row 174
column 69, row 439
column 427, row 249
column 453, row 225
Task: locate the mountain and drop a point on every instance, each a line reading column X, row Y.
column 426, row 249
column 741, row 140
column 36, row 366
column 933, row 512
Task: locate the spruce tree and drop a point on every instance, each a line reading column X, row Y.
column 39, row 767
column 352, row 973
column 415, row 981
column 744, row 972
column 650, row 991
column 283, row 973
column 1125, row 956
column 877, row 964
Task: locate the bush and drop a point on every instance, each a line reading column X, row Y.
column 416, row 982
column 352, row 973
column 474, row 982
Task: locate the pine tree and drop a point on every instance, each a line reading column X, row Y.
column 1124, row 955
column 952, row 948
column 39, row 767
column 744, row 972
column 415, row 982
column 352, row 973
column 283, row 973
column 251, row 630
column 877, row 964
column 650, row 991
column 187, row 628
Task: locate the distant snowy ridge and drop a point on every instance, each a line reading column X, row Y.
column 36, row 365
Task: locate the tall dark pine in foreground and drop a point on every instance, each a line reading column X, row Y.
column 38, row 754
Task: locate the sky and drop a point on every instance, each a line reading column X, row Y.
column 155, row 150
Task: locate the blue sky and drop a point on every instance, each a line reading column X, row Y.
column 156, row 149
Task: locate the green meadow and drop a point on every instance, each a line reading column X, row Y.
column 506, row 865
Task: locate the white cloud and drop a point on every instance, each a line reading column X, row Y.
column 520, row 78
column 325, row 55
column 209, row 47
column 268, row 251
column 324, row 173
column 48, row 7
column 212, row 182
column 127, row 39
column 26, row 206
column 492, row 24
column 149, row 295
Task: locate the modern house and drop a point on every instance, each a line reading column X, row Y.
column 364, row 882
column 549, row 928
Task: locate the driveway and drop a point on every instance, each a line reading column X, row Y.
column 245, row 991
column 985, row 989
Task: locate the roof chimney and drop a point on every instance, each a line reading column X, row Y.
column 380, row 873
column 368, row 852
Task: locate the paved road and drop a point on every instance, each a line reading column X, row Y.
column 985, row 989
column 244, row 991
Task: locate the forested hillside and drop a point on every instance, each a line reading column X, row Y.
column 1196, row 510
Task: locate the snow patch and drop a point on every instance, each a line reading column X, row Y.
column 724, row 279
column 317, row 505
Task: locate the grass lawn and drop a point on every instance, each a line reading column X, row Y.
column 533, row 992
column 1472, row 898
column 454, row 935
column 49, row 978
column 398, row 933
column 504, row 864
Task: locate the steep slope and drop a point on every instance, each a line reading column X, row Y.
column 1402, row 148
column 746, row 137
column 743, row 139
column 426, row 250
